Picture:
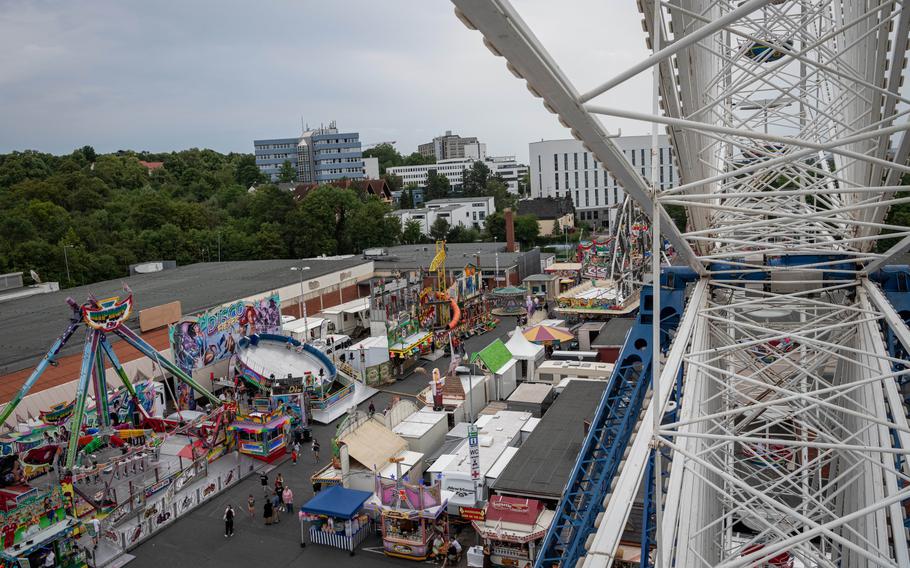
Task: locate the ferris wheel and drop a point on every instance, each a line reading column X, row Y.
column 778, row 405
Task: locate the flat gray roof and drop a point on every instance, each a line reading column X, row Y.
column 412, row 257
column 614, row 333
column 32, row 324
column 544, row 462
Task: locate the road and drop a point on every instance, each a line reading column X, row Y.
column 197, row 539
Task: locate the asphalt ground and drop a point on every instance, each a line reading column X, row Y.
column 197, row 539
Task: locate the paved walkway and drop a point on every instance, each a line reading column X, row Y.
column 197, row 540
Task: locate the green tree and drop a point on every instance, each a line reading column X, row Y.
column 495, row 227
column 461, row 234
column 524, row 184
column 499, row 191
column 246, row 171
column 395, row 182
column 88, row 153
column 474, row 179
column 437, row 186
column 439, row 229
column 372, row 226
column 406, row 201
column 387, row 155
column 678, row 214
column 526, row 228
column 287, row 173
column 418, row 159
column 412, row 235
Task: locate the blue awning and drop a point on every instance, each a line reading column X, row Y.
column 337, row 501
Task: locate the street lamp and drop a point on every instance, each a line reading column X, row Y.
column 301, row 303
column 66, row 262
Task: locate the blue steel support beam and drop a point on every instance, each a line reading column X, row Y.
column 49, row 359
column 140, row 345
column 613, row 424
column 89, row 353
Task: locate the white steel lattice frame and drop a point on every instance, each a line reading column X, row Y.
column 789, row 126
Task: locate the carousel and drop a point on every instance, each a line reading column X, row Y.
column 509, row 301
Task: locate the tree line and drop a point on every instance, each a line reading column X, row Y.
column 102, row 213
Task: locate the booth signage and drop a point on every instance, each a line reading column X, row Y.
column 471, row 513
column 474, row 447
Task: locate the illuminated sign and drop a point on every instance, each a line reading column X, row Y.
column 108, row 314
column 516, row 507
column 471, row 513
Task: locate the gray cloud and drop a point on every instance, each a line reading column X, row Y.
column 170, row 75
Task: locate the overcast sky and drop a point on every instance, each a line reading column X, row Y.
column 170, row 75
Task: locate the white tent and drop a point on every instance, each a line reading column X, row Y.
column 528, row 354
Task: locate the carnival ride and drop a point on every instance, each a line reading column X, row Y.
column 439, row 305
column 788, row 124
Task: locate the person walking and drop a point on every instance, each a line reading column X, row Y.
column 267, row 511
column 276, row 508
column 251, row 506
column 288, row 497
column 229, row 522
column 279, row 488
column 315, row 450
column 372, row 409
column 264, row 480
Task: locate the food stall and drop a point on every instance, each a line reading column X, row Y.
column 512, row 529
column 34, row 525
column 412, row 516
column 262, row 435
column 335, row 517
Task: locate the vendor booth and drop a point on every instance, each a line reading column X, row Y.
column 412, row 516
column 512, row 529
column 335, row 517
column 262, row 435
column 529, row 355
column 34, row 526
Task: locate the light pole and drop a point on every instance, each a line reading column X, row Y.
column 66, row 262
column 302, row 303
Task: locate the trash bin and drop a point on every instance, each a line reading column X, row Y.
column 475, row 557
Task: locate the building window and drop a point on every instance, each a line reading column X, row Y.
column 615, row 196
column 577, row 199
column 565, row 162
column 567, row 181
column 576, row 180
column 586, row 160
column 633, row 157
column 587, row 199
column 586, row 178
column 596, row 196
column 556, row 175
column 642, row 156
column 670, row 173
column 575, row 161
column 661, row 150
column 595, row 178
column 555, row 162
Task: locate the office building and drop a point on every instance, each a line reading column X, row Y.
column 563, row 168
column 452, row 146
column 504, row 166
column 321, row 155
column 468, row 212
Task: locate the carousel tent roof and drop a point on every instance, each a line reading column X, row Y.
column 510, row 291
column 547, row 333
column 495, row 356
column 520, row 347
column 372, row 444
column 336, row 501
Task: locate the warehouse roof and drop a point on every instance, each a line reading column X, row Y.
column 544, row 462
column 33, row 323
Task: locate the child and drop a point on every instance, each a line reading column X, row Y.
column 251, row 506
column 294, row 455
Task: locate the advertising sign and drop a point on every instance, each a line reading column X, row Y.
column 474, row 448
column 471, row 513
column 213, row 335
column 108, row 314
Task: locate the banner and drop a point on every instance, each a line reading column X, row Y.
column 213, row 335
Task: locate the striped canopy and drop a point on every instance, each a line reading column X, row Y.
column 545, row 333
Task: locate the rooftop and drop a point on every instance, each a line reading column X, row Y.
column 614, row 333
column 546, row 207
column 544, row 462
column 412, row 257
column 38, row 320
column 448, row 200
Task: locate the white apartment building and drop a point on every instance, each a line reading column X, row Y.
column 469, row 212
column 564, row 167
column 505, row 166
column 371, row 168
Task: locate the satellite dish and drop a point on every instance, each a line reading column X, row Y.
column 35, row 276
